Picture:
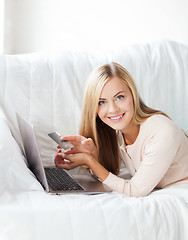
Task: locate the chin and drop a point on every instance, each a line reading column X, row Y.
column 117, row 128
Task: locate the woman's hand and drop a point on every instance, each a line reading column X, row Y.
column 82, row 145
column 70, row 161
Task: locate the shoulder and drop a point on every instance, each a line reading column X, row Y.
column 159, row 121
column 157, row 118
column 161, row 126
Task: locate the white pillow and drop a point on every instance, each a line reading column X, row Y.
column 14, row 173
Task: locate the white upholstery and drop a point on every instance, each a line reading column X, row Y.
column 47, row 88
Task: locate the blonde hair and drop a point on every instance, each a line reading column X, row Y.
column 91, row 126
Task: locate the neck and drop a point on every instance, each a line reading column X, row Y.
column 131, row 134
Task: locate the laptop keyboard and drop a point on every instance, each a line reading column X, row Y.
column 58, row 179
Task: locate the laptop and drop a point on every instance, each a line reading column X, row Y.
column 64, row 182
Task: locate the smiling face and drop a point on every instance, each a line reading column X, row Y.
column 116, row 108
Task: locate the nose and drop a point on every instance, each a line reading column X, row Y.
column 113, row 108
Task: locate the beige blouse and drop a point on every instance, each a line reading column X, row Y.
column 157, row 159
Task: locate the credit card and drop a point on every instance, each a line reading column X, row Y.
column 64, row 144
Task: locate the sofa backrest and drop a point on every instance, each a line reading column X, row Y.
column 47, row 88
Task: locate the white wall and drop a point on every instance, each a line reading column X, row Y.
column 39, row 25
column 1, row 26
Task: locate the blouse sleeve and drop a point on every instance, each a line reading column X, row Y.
column 158, row 154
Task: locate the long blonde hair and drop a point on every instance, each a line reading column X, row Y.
column 91, row 126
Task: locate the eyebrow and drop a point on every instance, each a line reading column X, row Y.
column 118, row 93
column 113, row 96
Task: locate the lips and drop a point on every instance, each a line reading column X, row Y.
column 116, row 118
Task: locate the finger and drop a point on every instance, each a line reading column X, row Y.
column 75, row 138
column 73, row 150
column 67, row 165
column 87, row 141
column 65, row 156
column 59, row 156
column 64, row 165
column 59, row 160
column 70, row 158
column 59, row 147
column 69, row 138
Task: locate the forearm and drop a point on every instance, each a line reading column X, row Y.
column 97, row 169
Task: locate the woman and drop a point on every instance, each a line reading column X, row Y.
column 117, row 126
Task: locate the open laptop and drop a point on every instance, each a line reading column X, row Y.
column 50, row 176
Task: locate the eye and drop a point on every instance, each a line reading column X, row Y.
column 120, row 97
column 101, row 102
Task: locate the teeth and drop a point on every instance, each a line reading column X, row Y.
column 115, row 118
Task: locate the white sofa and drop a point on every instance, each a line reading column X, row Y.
column 47, row 90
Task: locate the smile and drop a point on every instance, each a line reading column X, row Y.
column 116, row 118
